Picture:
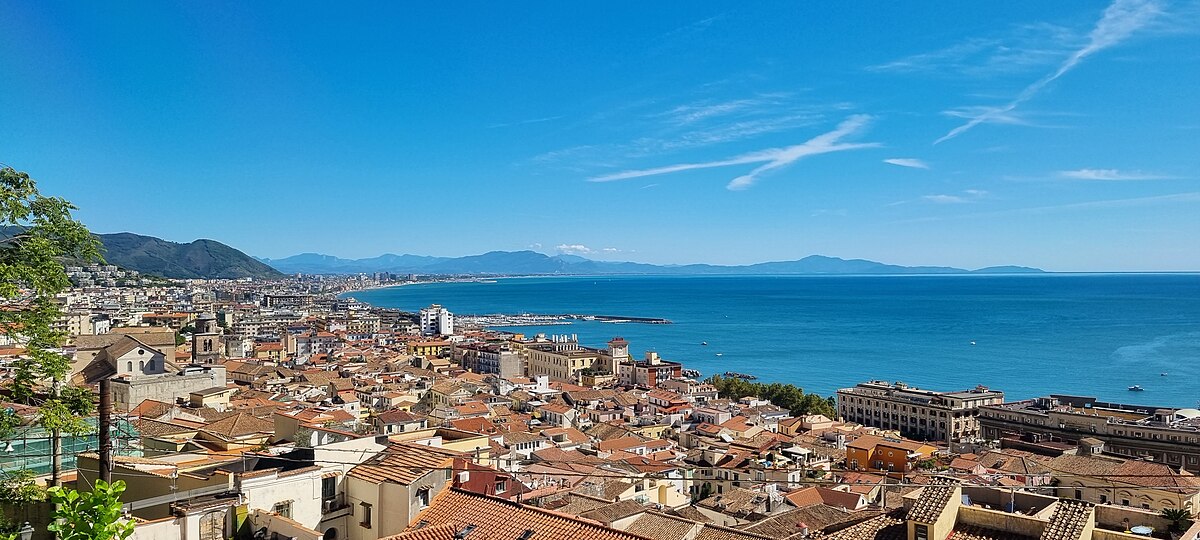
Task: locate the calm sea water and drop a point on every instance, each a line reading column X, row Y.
column 1028, row 335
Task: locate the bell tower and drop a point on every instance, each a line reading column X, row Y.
column 206, row 340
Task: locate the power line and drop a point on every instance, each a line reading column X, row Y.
column 630, row 476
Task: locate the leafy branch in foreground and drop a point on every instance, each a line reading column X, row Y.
column 90, row 515
column 40, row 235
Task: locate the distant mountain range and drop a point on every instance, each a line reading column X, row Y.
column 532, row 262
column 212, row 259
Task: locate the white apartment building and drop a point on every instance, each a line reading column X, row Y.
column 436, row 321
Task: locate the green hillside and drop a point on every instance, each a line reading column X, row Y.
column 198, row 259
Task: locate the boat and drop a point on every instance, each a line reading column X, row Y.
column 704, row 343
column 1136, row 388
column 720, row 354
column 1163, row 374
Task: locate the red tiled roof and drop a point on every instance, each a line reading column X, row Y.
column 498, row 519
column 403, row 463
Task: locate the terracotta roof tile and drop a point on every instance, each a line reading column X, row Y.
column 499, row 519
column 403, row 463
column 239, row 425
column 932, row 501
column 972, row 532
column 815, row 518
column 662, row 527
column 715, row 532
column 889, row 526
column 1069, row 520
column 612, row 512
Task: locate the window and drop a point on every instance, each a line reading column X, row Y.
column 141, row 365
column 283, row 508
column 129, row 365
column 921, row 531
column 1078, row 494
column 501, row 486
column 1104, row 499
column 328, row 487
column 366, row 515
column 423, row 497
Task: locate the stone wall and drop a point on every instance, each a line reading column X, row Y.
column 1001, row 521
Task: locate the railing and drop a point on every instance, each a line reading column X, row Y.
column 333, row 504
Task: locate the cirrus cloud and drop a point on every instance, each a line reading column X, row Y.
column 771, row 159
column 1120, row 20
column 1109, row 174
column 911, row 163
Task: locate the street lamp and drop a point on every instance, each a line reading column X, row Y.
column 26, row 531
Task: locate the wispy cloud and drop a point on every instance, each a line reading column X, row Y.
column 691, row 113
column 944, row 199
column 964, row 197
column 911, row 163
column 772, row 159
column 1109, row 174
column 656, row 129
column 1174, row 198
column 525, row 122
column 1019, row 49
column 994, row 115
column 1120, row 20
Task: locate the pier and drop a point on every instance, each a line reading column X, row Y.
column 532, row 319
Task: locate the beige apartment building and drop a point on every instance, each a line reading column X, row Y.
column 562, row 359
column 1165, row 435
column 919, row 414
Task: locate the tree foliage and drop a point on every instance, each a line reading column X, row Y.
column 40, row 236
column 787, row 396
column 18, row 487
column 1180, row 518
column 90, row 515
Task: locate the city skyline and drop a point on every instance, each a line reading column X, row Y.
column 1063, row 137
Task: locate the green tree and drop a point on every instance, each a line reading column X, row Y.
column 787, row 396
column 39, row 236
column 90, row 515
column 18, row 487
column 1180, row 518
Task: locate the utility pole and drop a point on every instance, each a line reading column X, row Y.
column 105, row 431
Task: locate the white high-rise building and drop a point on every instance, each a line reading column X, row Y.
column 436, row 321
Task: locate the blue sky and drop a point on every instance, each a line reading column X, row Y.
column 1064, row 135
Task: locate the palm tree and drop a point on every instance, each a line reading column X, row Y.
column 1180, row 518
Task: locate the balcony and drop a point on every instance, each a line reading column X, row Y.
column 335, row 506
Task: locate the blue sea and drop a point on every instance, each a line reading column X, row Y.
column 1028, row 335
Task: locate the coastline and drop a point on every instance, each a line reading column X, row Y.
column 838, row 330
